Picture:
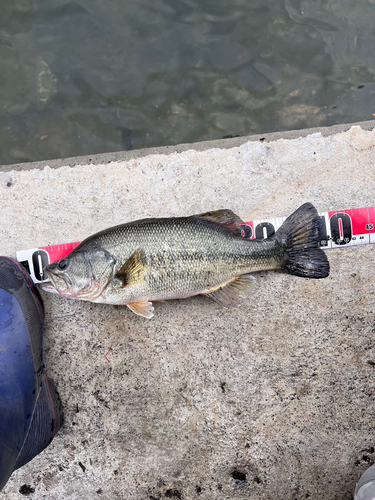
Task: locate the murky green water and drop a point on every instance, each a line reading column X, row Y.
column 88, row 76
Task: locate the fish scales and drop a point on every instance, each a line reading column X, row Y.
column 184, row 256
column 160, row 259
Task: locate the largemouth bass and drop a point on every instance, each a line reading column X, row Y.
column 150, row 260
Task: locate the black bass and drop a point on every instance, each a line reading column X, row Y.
column 150, row 260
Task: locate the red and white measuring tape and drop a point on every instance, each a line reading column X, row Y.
column 342, row 228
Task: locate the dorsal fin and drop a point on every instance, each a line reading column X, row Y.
column 224, row 217
column 133, row 271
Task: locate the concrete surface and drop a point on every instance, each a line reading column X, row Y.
column 270, row 399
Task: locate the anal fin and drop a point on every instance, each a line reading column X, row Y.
column 227, row 292
column 142, row 308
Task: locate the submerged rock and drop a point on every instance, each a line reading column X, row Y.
column 300, row 115
column 46, row 81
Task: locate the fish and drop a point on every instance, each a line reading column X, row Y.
column 151, row 260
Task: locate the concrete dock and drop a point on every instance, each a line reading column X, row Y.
column 273, row 398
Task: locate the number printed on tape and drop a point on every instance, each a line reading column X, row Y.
column 341, row 228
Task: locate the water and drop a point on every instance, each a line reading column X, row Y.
column 87, row 76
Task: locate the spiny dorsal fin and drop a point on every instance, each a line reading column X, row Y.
column 133, row 271
column 225, row 293
column 225, row 218
column 142, row 308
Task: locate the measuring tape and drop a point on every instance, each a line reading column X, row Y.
column 342, row 228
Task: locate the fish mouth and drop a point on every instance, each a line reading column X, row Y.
column 62, row 285
column 58, row 283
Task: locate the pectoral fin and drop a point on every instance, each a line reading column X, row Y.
column 227, row 292
column 133, row 271
column 142, row 308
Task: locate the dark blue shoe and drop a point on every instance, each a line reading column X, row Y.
column 30, row 408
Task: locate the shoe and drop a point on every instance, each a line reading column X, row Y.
column 365, row 489
column 30, row 407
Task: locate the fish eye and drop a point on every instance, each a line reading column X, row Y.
column 63, row 264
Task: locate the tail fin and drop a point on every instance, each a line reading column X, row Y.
column 299, row 238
